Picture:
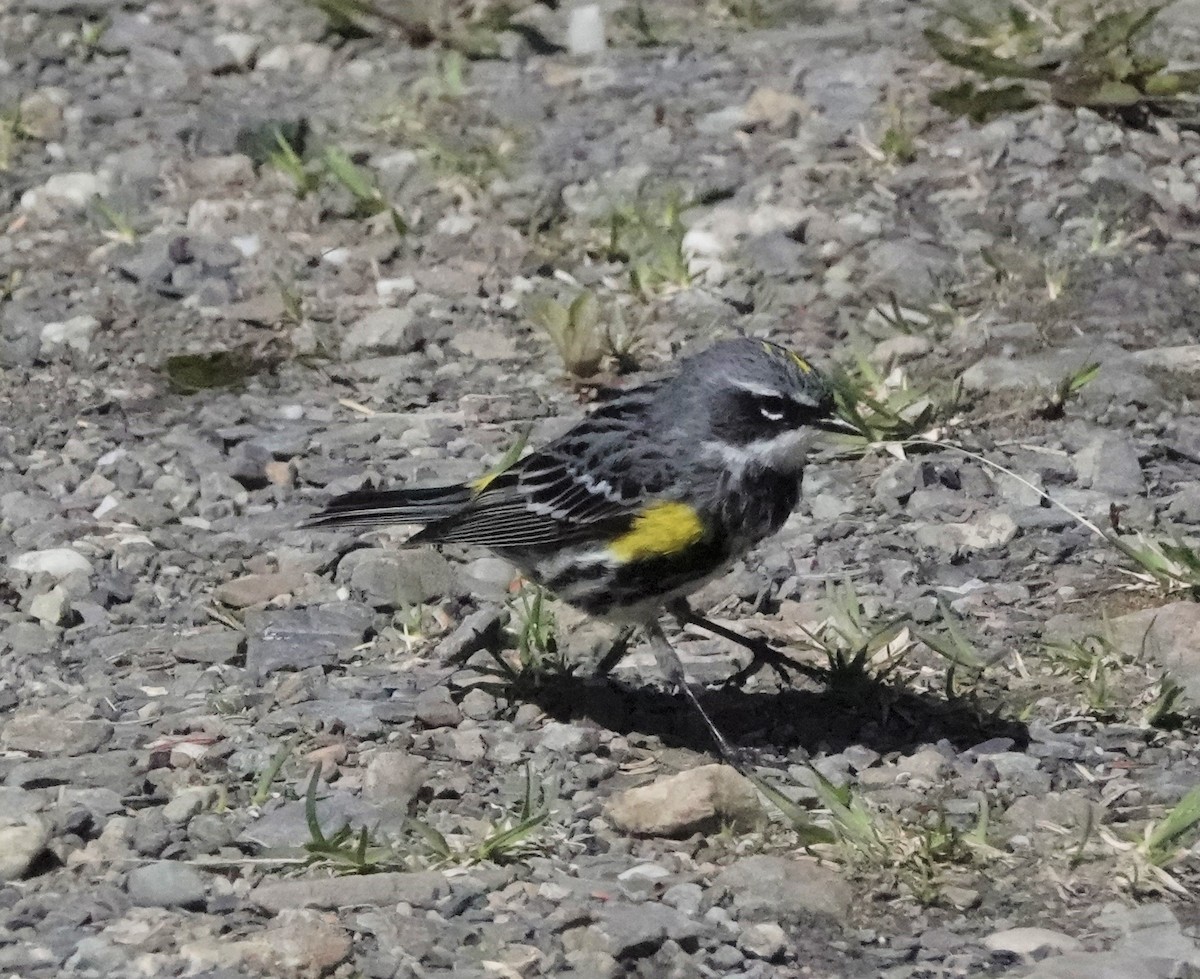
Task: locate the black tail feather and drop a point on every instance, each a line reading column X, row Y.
column 375, row 508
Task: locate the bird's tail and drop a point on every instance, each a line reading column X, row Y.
column 374, row 508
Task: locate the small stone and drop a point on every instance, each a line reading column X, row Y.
column 634, row 931
column 697, row 801
column 990, row 531
column 189, row 802
column 479, row 705
column 394, row 777
column 585, row 30
column 300, row 944
column 784, row 889
column 166, row 884
column 765, row 941
column 279, row 473
column 21, row 843
column 258, row 589
column 52, row 607
column 962, row 898
column 73, row 334
column 929, row 765
column 434, row 708
column 467, row 746
column 570, row 739
column 1168, row 636
column 685, row 897
column 1110, row 464
column 242, row 47
column 207, row 645
column 47, row 735
column 899, row 350
column 66, row 191
column 58, row 562
column 390, row 330
column 296, row 639
column 485, row 344
column 420, row 889
column 397, row 579
column 771, row 109
column 1034, row 943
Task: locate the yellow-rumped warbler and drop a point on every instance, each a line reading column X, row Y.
column 649, row 497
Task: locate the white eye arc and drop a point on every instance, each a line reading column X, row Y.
column 771, row 415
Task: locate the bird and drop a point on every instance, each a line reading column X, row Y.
column 650, row 496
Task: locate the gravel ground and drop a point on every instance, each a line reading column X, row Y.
column 178, row 657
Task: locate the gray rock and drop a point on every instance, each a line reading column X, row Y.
column 73, row 334
column 685, row 897
column 910, row 268
column 383, row 331
column 637, row 930
column 285, row 825
column 216, row 644
column 992, row 530
column 1110, row 464
column 785, row 890
column 1103, row 965
column 398, row 579
column 166, row 884
column 1168, row 635
column 765, row 940
column 190, row 801
column 52, row 735
column 1031, row 942
column 302, row 638
column 258, row 589
column 435, row 708
column 700, row 800
column 394, row 777
column 420, row 889
column 66, row 191
column 109, row 769
column 570, row 739
column 928, row 765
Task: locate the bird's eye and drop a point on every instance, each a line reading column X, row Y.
column 772, row 408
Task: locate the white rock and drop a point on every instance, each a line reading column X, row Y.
column 585, row 30
column 1033, row 942
column 242, row 46
column 20, row 845
column 74, row 334
column 56, row 561
column 65, row 191
column 52, row 607
column 405, row 285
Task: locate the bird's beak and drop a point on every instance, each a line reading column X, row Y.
column 837, row 425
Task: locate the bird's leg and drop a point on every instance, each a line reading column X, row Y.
column 618, row 649
column 764, row 654
column 672, row 668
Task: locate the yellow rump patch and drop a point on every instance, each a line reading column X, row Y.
column 659, row 530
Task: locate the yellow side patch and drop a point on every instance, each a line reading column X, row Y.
column 483, row 482
column 659, row 530
column 799, row 361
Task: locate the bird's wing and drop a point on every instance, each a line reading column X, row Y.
column 583, row 484
column 545, row 502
